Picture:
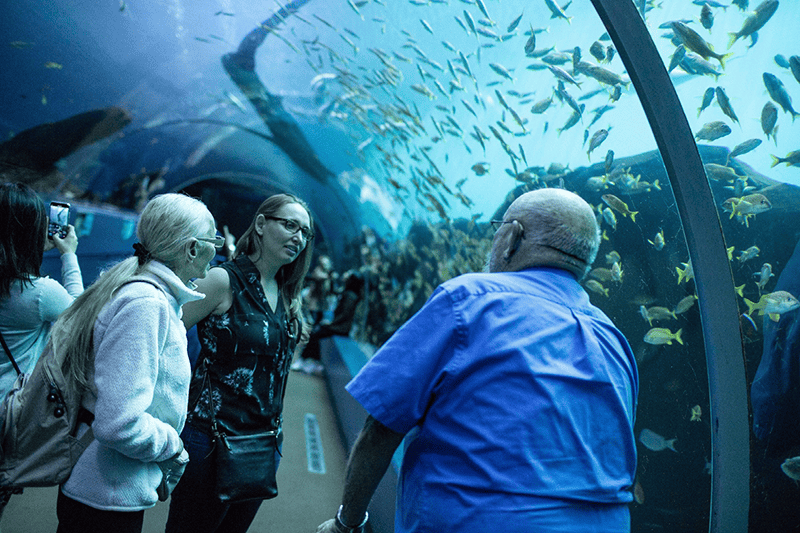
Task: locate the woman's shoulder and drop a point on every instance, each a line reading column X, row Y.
column 36, row 289
column 217, row 279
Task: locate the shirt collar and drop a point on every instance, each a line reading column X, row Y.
column 171, row 283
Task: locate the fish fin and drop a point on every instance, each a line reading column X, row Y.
column 671, row 444
column 750, row 306
column 722, row 60
column 678, row 336
column 633, row 216
column 775, row 160
column 774, row 317
column 734, row 37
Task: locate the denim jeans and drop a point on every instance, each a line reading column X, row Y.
column 194, row 506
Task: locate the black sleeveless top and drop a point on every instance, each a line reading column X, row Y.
column 246, row 353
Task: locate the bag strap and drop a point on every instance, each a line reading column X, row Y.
column 214, row 429
column 11, row 357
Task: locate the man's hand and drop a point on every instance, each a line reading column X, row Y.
column 331, row 526
column 328, row 527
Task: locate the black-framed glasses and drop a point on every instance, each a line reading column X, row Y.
column 497, row 224
column 218, row 241
column 292, row 226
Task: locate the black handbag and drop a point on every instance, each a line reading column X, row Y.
column 245, row 464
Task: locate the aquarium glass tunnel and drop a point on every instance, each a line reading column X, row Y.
column 407, row 125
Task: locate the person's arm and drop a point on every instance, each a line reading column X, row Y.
column 126, row 370
column 55, row 297
column 71, row 277
column 217, row 288
column 368, row 462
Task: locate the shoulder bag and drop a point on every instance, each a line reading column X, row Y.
column 246, row 464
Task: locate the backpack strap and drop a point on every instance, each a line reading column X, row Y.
column 11, row 357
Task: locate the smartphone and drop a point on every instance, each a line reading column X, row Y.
column 59, row 219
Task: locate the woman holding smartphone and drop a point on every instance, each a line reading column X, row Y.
column 29, row 303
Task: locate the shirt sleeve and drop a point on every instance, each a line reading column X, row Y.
column 126, row 370
column 71, row 274
column 400, row 381
column 53, row 299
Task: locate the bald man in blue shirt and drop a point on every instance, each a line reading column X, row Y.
column 516, row 394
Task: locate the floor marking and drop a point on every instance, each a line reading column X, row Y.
column 314, row 453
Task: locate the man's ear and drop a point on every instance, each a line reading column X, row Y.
column 191, row 251
column 513, row 239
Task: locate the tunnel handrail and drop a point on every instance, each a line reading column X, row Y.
column 730, row 430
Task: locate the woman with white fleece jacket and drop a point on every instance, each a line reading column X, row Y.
column 125, row 343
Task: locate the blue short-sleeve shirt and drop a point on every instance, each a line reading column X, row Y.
column 521, row 395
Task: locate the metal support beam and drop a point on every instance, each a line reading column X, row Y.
column 730, row 429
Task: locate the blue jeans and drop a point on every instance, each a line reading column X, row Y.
column 194, row 506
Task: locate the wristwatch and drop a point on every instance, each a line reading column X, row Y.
column 350, row 529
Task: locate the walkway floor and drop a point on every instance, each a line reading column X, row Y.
column 305, row 499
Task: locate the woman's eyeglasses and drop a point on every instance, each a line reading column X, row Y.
column 293, row 226
column 218, row 241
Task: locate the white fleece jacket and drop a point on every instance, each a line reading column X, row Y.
column 141, row 377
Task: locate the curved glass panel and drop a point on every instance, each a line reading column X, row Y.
column 737, row 99
column 407, row 126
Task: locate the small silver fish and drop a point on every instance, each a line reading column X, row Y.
column 598, row 51
column 501, row 70
column 778, row 93
column 780, row 302
column 530, row 44
column 677, row 57
column 658, row 241
column 712, row 131
column 597, row 139
column 749, row 254
column 514, row 23
column 655, row 442
column 609, row 161
column 610, row 218
column 792, row 159
column 662, row 336
column 791, row 467
column 755, row 21
column 744, row 147
column 725, row 104
column 685, row 304
column 557, row 11
column 763, row 276
column 769, row 119
column 706, row 17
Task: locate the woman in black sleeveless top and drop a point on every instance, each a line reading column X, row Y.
column 248, row 326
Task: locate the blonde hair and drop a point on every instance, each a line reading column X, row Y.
column 292, row 276
column 166, row 225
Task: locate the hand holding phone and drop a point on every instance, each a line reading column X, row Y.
column 59, row 219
